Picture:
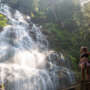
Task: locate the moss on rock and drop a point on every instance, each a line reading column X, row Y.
column 3, row 21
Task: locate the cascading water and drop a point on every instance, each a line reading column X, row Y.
column 23, row 55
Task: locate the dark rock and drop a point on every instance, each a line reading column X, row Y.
column 1, row 29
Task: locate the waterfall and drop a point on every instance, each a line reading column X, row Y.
column 25, row 63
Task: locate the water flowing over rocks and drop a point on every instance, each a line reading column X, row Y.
column 26, row 63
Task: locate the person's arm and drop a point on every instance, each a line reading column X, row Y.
column 88, row 53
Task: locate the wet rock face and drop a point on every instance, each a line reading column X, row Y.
column 58, row 59
column 1, row 29
column 59, row 66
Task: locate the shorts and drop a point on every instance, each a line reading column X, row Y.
column 83, row 65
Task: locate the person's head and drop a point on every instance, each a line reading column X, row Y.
column 83, row 49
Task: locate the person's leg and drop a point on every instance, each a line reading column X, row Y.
column 87, row 74
column 88, row 71
column 83, row 73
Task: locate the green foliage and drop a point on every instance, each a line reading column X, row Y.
column 74, row 63
column 3, row 21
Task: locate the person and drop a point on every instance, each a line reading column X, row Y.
column 84, row 58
